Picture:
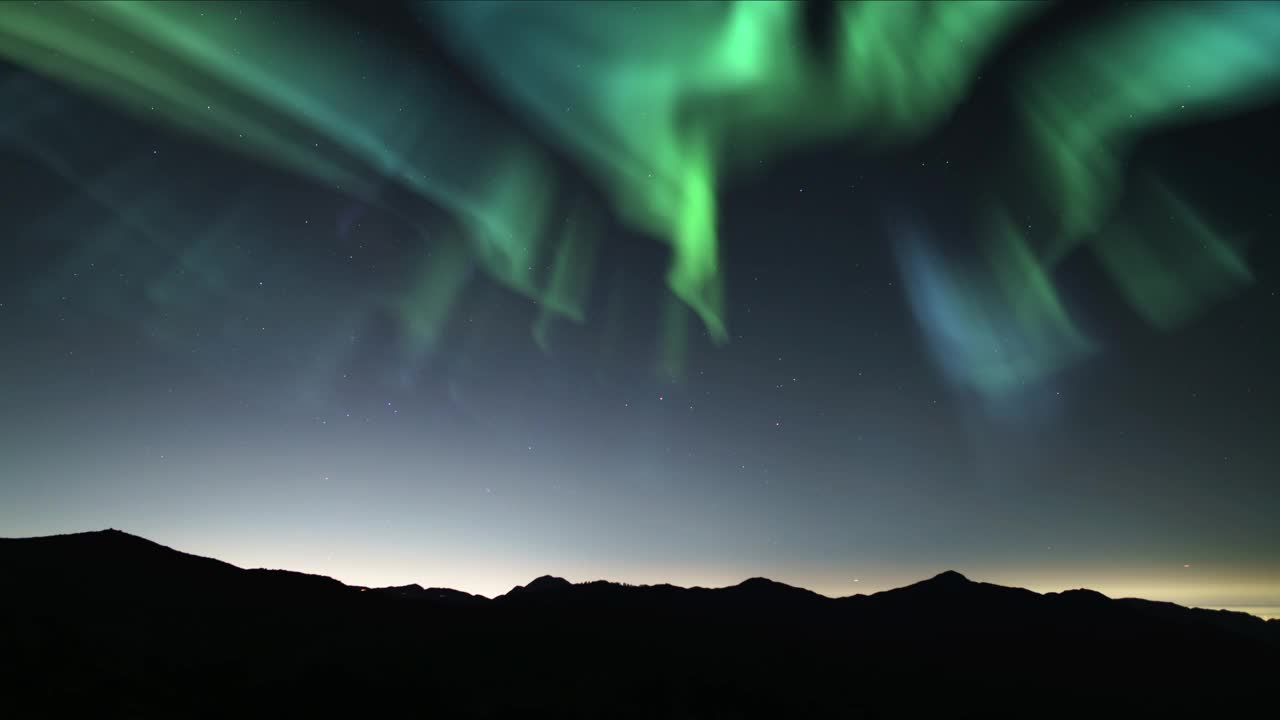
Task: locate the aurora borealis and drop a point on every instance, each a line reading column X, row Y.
column 465, row 293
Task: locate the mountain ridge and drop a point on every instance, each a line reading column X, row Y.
column 95, row 543
column 110, row 624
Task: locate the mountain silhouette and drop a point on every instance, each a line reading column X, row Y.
column 441, row 596
column 546, row 583
column 110, row 624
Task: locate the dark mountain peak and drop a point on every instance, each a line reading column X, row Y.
column 764, row 593
column 142, row 572
column 544, row 584
column 947, row 584
column 1082, row 595
column 109, row 535
column 111, row 543
column 548, row 582
column 949, row 577
column 761, row 585
column 761, row 582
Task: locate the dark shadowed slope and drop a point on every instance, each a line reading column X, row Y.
column 112, row 566
column 108, row 624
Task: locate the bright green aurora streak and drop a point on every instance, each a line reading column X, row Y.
column 660, row 105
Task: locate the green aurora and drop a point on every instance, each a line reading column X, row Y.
column 662, row 110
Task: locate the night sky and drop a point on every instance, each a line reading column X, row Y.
column 464, row 294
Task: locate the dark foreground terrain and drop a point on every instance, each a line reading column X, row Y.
column 107, row 624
